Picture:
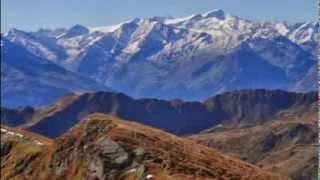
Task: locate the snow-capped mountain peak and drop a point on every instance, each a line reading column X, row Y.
column 105, row 29
column 305, row 32
column 76, row 30
column 216, row 13
column 197, row 55
column 113, row 28
column 51, row 32
column 38, row 45
column 15, row 33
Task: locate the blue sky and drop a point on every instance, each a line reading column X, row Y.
column 33, row 14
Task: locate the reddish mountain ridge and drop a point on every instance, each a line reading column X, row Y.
column 106, row 147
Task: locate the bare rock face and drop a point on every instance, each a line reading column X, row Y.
column 111, row 151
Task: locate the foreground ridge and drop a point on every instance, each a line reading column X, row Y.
column 106, row 147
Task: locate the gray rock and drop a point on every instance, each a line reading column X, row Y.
column 139, row 152
column 112, row 151
column 141, row 172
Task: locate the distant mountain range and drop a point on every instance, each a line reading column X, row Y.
column 190, row 58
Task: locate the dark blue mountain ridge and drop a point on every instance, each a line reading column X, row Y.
column 232, row 109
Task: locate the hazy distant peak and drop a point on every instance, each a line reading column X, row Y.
column 216, row 13
column 76, row 30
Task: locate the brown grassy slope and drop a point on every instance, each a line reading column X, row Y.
column 19, row 148
column 106, row 147
column 27, row 135
column 287, row 145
